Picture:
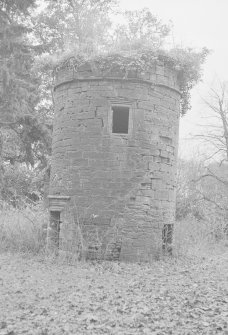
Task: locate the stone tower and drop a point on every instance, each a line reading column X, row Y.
column 115, row 141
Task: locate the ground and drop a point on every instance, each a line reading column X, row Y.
column 170, row 296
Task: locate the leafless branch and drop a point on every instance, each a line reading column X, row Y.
column 204, row 197
column 212, row 175
column 213, row 155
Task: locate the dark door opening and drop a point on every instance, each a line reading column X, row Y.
column 55, row 227
column 120, row 119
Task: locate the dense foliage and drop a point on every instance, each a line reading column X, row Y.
column 24, row 136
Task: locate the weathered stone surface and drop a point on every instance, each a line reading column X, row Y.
column 122, row 186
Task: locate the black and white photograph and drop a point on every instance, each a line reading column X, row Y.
column 113, row 167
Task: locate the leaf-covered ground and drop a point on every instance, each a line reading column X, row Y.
column 167, row 297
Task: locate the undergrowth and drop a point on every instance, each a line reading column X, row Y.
column 199, row 238
column 24, row 231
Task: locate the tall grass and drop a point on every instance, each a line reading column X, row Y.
column 199, row 238
column 23, row 230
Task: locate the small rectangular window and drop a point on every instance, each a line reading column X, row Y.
column 120, row 119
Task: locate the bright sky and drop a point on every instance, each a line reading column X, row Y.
column 197, row 23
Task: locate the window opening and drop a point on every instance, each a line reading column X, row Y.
column 120, row 119
column 167, row 238
column 55, row 226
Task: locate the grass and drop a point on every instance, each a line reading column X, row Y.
column 24, row 231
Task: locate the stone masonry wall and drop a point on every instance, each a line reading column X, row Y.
column 122, row 186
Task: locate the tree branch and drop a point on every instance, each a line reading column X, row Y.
column 212, row 176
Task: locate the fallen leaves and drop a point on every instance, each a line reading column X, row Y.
column 110, row 298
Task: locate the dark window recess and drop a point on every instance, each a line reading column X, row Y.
column 120, row 120
column 55, row 226
column 167, row 238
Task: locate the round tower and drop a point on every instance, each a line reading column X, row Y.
column 115, row 138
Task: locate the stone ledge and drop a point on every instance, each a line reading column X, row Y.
column 57, row 202
column 132, row 80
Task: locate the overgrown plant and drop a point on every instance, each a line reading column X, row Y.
column 88, row 240
column 135, row 44
column 23, row 230
column 186, row 62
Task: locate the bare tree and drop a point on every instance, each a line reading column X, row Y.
column 216, row 130
column 214, row 180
